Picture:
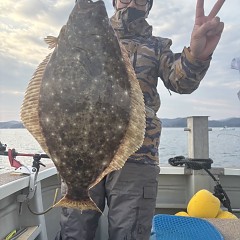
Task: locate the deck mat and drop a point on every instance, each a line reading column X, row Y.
column 170, row 227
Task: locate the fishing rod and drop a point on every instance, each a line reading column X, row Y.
column 12, row 154
column 31, row 171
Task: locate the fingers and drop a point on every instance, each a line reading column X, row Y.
column 216, row 31
column 216, row 8
column 200, row 8
column 211, row 28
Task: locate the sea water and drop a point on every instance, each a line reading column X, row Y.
column 224, row 146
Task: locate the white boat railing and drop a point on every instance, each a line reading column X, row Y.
column 16, row 215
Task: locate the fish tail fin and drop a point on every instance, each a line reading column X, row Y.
column 80, row 205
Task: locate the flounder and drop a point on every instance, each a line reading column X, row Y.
column 84, row 104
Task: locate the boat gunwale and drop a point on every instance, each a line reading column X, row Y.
column 11, row 183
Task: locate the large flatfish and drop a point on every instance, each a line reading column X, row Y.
column 84, row 104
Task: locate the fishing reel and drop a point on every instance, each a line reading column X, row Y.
column 3, row 147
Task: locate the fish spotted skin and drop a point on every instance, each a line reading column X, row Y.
column 89, row 111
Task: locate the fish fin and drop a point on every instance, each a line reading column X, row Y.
column 29, row 110
column 51, row 41
column 80, row 205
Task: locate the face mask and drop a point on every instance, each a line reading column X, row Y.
column 131, row 14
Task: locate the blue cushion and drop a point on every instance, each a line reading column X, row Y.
column 170, row 227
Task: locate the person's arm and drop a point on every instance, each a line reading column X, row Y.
column 181, row 72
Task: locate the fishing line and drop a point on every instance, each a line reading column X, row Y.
column 47, row 210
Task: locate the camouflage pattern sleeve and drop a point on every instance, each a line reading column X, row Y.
column 180, row 72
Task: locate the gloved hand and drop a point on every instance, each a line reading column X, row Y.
column 206, row 32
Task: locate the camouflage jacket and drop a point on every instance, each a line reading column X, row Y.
column 152, row 58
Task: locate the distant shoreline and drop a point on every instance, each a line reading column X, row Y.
column 166, row 122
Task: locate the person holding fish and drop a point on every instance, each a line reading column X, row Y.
column 131, row 191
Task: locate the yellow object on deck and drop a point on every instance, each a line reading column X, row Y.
column 182, row 213
column 226, row 214
column 203, row 205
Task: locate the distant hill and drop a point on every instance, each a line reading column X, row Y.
column 182, row 122
column 176, row 122
column 166, row 122
column 231, row 122
column 11, row 124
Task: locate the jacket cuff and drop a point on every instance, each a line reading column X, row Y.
column 195, row 64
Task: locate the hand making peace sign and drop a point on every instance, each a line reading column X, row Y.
column 206, row 32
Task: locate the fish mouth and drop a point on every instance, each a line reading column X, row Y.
column 85, row 5
column 87, row 1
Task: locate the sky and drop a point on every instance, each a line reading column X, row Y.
column 25, row 23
